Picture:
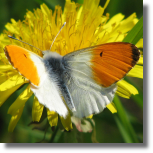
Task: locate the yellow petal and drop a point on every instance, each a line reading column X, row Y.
column 127, row 24
column 106, row 4
column 37, row 110
column 3, row 78
column 20, row 101
column 140, row 43
column 115, row 19
column 3, row 60
column 10, row 86
column 52, row 118
column 4, row 68
column 4, row 41
column 112, row 107
column 45, row 10
column 12, row 27
column 90, row 116
column 125, row 89
column 140, row 60
column 66, row 122
column 137, row 71
column 14, row 119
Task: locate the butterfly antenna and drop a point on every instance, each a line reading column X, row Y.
column 57, row 35
column 23, row 42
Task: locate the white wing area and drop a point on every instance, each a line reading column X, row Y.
column 48, row 95
column 88, row 96
column 40, row 67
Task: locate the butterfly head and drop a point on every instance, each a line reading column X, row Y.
column 49, row 54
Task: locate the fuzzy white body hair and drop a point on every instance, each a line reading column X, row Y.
column 48, row 54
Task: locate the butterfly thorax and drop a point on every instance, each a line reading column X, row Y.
column 53, row 63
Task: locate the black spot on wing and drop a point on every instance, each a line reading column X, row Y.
column 101, row 54
column 25, row 55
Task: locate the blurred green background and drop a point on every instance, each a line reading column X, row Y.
column 108, row 129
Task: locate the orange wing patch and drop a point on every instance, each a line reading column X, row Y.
column 20, row 59
column 112, row 61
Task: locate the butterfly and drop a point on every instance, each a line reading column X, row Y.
column 82, row 82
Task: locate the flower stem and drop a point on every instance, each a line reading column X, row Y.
column 53, row 135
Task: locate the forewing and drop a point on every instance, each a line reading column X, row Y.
column 43, row 85
column 92, row 74
column 27, row 63
column 108, row 63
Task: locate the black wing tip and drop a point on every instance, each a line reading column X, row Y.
column 135, row 54
column 6, row 53
column 8, row 56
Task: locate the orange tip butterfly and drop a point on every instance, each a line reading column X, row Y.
column 83, row 81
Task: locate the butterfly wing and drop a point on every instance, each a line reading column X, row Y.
column 32, row 67
column 92, row 73
column 27, row 63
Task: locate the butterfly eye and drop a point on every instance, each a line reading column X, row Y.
column 43, row 53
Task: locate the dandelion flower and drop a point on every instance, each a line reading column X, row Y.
column 86, row 25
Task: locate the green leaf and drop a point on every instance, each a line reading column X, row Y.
column 125, row 121
column 80, row 1
column 52, row 3
column 54, row 135
column 136, row 33
column 139, row 97
column 39, row 1
column 122, row 129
